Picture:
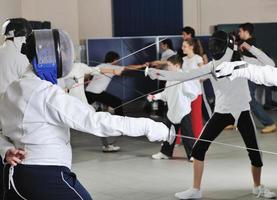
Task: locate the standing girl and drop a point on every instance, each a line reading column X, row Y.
column 193, row 50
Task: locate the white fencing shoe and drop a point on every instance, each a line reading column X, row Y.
column 191, row 193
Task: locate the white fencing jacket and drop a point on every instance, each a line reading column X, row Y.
column 100, row 82
column 37, row 116
column 76, row 75
column 13, row 64
column 178, row 98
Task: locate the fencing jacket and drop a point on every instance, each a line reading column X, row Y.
column 13, row 64
column 76, row 76
column 178, row 98
column 37, row 116
column 100, row 82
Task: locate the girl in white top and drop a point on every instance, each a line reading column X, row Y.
column 192, row 61
column 167, row 49
column 178, row 98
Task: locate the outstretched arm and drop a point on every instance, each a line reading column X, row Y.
column 265, row 75
column 261, row 56
column 62, row 109
column 180, row 76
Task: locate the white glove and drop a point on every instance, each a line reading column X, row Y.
column 146, row 71
column 158, row 131
column 226, row 69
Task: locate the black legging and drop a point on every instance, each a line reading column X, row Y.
column 186, row 130
column 1, row 178
column 107, row 99
column 215, row 126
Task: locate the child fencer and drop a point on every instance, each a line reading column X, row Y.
column 178, row 98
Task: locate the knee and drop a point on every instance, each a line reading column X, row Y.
column 199, row 150
column 256, row 159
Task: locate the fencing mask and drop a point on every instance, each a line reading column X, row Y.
column 51, row 53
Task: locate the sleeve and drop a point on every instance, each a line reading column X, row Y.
column 64, row 110
column 5, row 145
column 115, row 66
column 261, row 75
column 22, row 64
column 199, row 60
column 61, row 83
column 261, row 56
column 80, row 69
column 88, row 70
column 203, row 72
column 190, row 90
column 109, row 66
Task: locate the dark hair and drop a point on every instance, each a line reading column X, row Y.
column 189, row 30
column 197, row 47
column 237, row 55
column 175, row 59
column 247, row 27
column 169, row 43
column 19, row 26
column 111, row 56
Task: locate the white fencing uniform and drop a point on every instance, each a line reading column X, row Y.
column 37, row 117
column 13, row 64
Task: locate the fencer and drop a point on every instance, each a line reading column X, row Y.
column 13, row 63
column 36, row 117
column 231, row 107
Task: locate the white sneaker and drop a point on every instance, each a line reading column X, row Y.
column 191, row 193
column 263, row 192
column 110, row 148
column 159, row 156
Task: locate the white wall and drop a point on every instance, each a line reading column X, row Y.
column 213, row 12
column 62, row 14
column 191, row 15
column 9, row 9
column 95, row 18
column 200, row 14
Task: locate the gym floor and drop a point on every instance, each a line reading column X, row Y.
column 131, row 174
